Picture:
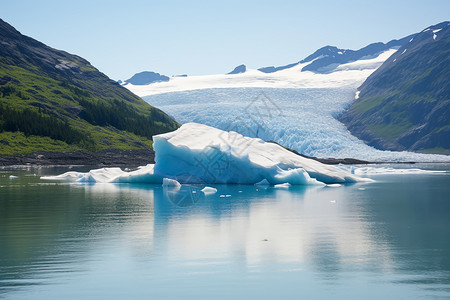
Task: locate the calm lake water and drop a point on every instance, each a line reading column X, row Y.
column 388, row 239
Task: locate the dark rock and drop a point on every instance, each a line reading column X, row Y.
column 110, row 157
column 8, row 79
column 239, row 69
column 272, row 69
column 146, row 77
column 73, row 110
column 31, row 91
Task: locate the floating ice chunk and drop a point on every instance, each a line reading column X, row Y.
column 386, row 170
column 144, row 174
column 101, row 175
column 200, row 153
column 97, row 175
column 167, row 182
column 333, row 185
column 197, row 153
column 68, row 176
column 209, row 190
column 263, row 182
column 282, row 185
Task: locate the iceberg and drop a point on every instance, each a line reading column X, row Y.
column 200, row 154
column 170, row 183
column 209, row 190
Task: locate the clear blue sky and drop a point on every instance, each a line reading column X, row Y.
column 208, row 37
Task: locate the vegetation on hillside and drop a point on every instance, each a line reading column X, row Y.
column 405, row 104
column 51, row 100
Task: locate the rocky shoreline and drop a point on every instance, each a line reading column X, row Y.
column 107, row 158
column 116, row 158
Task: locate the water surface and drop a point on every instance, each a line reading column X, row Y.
column 387, row 239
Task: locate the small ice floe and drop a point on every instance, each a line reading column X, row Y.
column 13, row 177
column 167, row 182
column 209, row 190
column 227, row 196
column 263, row 182
column 282, row 185
column 362, row 189
column 334, row 185
column 332, row 201
column 222, row 196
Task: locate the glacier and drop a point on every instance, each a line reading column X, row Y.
column 200, row 154
column 300, row 119
column 297, row 109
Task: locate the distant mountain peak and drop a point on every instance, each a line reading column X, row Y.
column 239, row 69
column 326, row 58
column 146, row 77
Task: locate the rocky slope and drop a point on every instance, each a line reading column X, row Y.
column 405, row 104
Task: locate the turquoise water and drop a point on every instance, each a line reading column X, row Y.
column 388, row 239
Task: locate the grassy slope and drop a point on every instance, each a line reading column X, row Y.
column 63, row 93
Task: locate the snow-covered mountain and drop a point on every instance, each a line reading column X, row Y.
column 344, row 75
column 295, row 105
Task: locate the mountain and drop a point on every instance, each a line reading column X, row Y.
column 51, row 100
column 405, row 103
column 239, row 69
column 327, row 58
column 146, row 77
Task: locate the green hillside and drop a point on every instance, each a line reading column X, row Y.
column 405, row 104
column 51, row 100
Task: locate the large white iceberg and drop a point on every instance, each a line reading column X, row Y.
column 197, row 153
